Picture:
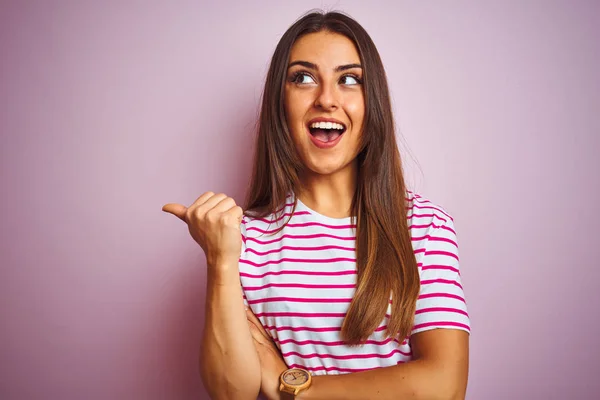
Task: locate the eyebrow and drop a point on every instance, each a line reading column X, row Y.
column 310, row 65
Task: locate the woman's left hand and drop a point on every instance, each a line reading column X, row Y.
column 271, row 361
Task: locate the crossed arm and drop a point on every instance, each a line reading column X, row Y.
column 438, row 370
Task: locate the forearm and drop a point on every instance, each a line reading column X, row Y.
column 419, row 379
column 229, row 363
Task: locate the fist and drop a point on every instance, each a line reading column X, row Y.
column 214, row 223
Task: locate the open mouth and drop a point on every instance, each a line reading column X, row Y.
column 326, row 131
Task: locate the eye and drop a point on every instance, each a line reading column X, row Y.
column 350, row 80
column 302, row 78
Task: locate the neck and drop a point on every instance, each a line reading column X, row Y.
column 330, row 195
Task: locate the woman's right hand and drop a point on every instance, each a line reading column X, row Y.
column 214, row 222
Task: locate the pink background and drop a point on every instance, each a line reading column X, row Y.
column 109, row 111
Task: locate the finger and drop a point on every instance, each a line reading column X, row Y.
column 202, row 199
column 219, row 204
column 257, row 337
column 177, row 210
column 237, row 212
column 206, row 203
column 256, row 322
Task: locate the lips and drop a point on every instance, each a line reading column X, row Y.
column 325, row 133
column 326, row 123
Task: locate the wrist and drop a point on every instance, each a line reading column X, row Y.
column 222, row 261
column 294, row 383
column 223, row 273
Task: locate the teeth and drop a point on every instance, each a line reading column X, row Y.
column 327, row 125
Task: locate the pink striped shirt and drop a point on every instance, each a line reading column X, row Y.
column 300, row 282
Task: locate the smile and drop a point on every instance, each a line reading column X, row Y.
column 325, row 133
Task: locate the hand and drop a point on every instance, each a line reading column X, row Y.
column 214, row 222
column 272, row 364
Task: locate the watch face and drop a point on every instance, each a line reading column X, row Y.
column 295, row 377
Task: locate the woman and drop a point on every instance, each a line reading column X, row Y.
column 350, row 285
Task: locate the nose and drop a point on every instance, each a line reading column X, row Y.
column 327, row 98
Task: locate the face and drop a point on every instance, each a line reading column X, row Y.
column 323, row 93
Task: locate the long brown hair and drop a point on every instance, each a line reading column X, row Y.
column 385, row 260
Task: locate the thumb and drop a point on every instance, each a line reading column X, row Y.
column 177, row 210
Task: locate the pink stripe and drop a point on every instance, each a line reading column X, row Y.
column 282, row 217
column 447, row 267
column 301, row 249
column 300, row 285
column 434, row 239
column 429, row 205
column 434, row 225
column 296, row 272
column 300, row 314
column 449, row 282
column 440, row 253
column 298, row 300
column 441, row 309
column 284, row 206
column 442, row 323
column 448, row 229
column 310, row 329
column 314, row 236
column 414, row 226
column 448, row 295
column 298, row 260
column 329, row 368
column 303, row 328
column 427, row 215
column 305, row 224
column 338, row 343
column 346, row 357
column 321, row 235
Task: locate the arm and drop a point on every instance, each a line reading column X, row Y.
column 440, row 356
column 229, row 364
column 438, row 371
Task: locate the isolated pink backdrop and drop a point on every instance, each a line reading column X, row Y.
column 111, row 109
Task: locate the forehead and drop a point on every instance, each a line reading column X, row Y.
column 325, row 48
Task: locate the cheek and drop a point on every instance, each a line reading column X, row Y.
column 296, row 106
column 292, row 116
column 356, row 110
column 286, row 107
column 291, row 108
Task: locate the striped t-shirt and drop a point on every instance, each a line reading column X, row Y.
column 299, row 283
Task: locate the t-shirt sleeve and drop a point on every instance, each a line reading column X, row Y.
column 441, row 302
column 243, row 253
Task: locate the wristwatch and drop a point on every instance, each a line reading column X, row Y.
column 294, row 381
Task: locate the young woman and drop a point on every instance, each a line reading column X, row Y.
column 350, row 284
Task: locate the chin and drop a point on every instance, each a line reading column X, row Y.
column 328, row 169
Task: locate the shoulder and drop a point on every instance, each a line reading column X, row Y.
column 264, row 230
column 433, row 234
column 441, row 302
column 422, row 211
column 252, row 221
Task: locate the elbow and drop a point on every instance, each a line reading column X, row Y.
column 441, row 384
column 457, row 396
column 441, row 393
column 452, row 390
column 225, row 384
